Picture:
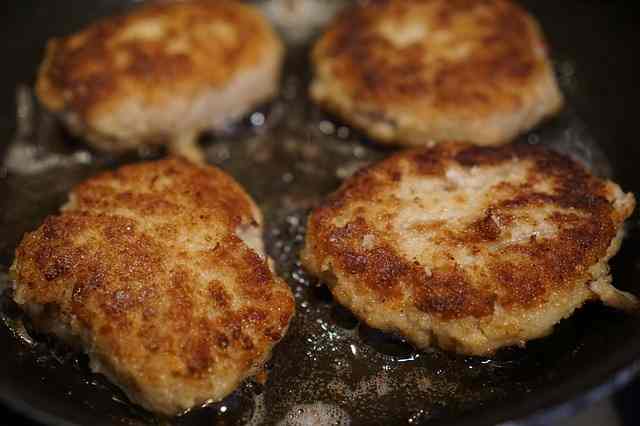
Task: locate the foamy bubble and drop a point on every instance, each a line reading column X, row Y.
column 374, row 387
column 316, row 414
column 259, row 411
column 299, row 20
column 26, row 154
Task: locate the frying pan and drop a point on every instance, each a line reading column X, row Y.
column 329, row 368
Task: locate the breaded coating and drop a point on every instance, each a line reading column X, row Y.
column 162, row 73
column 470, row 248
column 411, row 72
column 157, row 271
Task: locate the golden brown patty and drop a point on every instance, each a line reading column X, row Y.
column 161, row 73
column 413, row 71
column 157, row 271
column 469, row 248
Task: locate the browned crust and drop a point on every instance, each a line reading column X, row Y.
column 505, row 55
column 202, row 44
column 523, row 275
column 145, row 268
column 412, row 72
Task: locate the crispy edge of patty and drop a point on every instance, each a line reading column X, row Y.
column 82, row 71
column 505, row 86
column 117, row 71
column 445, row 307
column 98, row 276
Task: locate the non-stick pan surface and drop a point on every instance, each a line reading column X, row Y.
column 329, row 368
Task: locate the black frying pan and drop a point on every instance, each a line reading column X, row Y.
column 288, row 164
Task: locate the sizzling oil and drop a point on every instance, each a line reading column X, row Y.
column 329, row 369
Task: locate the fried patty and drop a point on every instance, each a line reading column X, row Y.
column 162, row 73
column 409, row 72
column 469, row 248
column 157, row 272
